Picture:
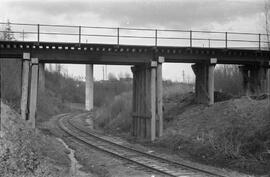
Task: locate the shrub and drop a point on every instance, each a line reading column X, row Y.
column 116, row 115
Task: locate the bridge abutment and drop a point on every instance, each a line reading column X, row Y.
column 89, row 87
column 147, row 118
column 204, row 82
column 255, row 79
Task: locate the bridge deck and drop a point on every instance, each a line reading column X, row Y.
column 55, row 52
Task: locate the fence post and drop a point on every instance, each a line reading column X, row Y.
column 156, row 37
column 38, row 32
column 259, row 41
column 80, row 32
column 190, row 38
column 226, row 40
column 118, row 35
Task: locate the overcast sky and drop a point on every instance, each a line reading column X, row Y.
column 215, row 15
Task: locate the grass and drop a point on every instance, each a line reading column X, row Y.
column 233, row 133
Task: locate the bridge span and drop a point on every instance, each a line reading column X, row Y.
column 251, row 54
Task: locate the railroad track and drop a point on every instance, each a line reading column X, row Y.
column 149, row 161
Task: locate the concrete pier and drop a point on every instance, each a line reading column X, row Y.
column 147, row 119
column 204, row 82
column 25, row 85
column 33, row 93
column 89, row 87
column 159, row 99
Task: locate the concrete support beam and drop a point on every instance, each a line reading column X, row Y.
column 204, row 83
column 159, row 99
column 25, row 85
column 41, row 77
column 89, row 87
column 33, row 92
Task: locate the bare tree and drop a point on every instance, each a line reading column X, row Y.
column 7, row 33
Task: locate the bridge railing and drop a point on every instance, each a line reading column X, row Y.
column 135, row 36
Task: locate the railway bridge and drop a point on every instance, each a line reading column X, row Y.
column 145, row 50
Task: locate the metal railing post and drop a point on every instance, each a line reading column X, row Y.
column 38, row 32
column 226, row 40
column 259, row 41
column 118, row 31
column 190, row 38
column 156, row 37
column 80, row 34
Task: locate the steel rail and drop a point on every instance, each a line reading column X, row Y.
column 81, row 129
column 66, row 130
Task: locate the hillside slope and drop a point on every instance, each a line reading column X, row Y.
column 233, row 133
column 29, row 153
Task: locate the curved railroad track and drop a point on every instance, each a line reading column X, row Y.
column 144, row 159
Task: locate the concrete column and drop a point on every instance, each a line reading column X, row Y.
column 153, row 100
column 33, row 93
column 159, row 95
column 204, row 82
column 211, row 88
column 133, row 126
column 145, row 101
column 25, row 85
column 89, row 87
column 201, row 82
column 211, row 85
column 41, row 77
